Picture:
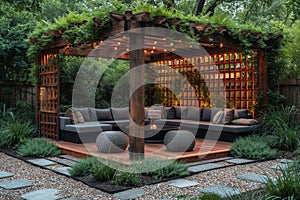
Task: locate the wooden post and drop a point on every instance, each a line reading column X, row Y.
column 136, row 101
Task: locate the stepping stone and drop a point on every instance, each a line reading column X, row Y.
column 41, row 162
column 280, row 166
column 66, row 162
column 287, row 161
column 15, row 184
column 182, row 183
column 49, row 194
column 238, row 161
column 204, row 167
column 221, row 191
column 129, row 194
column 254, row 177
column 70, row 158
column 63, row 170
column 4, row 174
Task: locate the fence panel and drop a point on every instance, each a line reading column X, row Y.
column 11, row 92
column 291, row 90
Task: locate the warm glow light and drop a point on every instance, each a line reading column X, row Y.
column 171, row 44
column 165, row 50
column 145, row 51
column 221, row 45
column 153, row 126
column 119, row 43
column 101, row 42
column 127, row 50
column 154, row 47
column 155, row 42
column 116, row 48
column 152, row 51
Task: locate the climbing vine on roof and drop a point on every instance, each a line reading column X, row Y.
column 78, row 29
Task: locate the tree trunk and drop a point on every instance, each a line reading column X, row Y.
column 200, row 7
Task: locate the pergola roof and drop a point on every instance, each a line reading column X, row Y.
column 214, row 38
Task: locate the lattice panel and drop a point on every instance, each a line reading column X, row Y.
column 49, row 95
column 215, row 80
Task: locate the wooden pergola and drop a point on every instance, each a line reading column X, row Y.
column 223, row 48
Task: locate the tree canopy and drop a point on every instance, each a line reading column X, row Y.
column 19, row 17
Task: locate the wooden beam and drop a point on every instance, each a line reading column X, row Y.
column 136, row 102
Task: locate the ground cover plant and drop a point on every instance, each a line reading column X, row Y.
column 110, row 176
column 253, row 147
column 38, row 147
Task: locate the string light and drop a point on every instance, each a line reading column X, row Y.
column 116, row 48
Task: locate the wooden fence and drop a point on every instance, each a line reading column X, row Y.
column 11, row 92
column 291, row 90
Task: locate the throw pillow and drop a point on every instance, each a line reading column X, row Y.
column 218, row 118
column 170, row 112
column 85, row 113
column 229, row 115
column 154, row 114
column 243, row 121
column 241, row 113
column 181, row 112
column 76, row 116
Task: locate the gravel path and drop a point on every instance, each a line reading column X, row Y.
column 70, row 188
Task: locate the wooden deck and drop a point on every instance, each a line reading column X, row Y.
column 203, row 150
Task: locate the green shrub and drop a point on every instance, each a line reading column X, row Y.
column 103, row 172
column 252, row 147
column 286, row 139
column 286, row 185
column 127, row 179
column 38, row 147
column 83, row 168
column 14, row 132
column 171, row 170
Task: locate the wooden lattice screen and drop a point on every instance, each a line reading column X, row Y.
column 49, row 94
column 238, row 75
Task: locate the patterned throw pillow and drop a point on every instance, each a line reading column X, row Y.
column 218, row 117
column 75, row 115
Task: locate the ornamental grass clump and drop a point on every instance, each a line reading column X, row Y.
column 104, row 170
column 252, row 147
column 84, row 167
column 38, row 147
column 285, row 185
column 126, row 178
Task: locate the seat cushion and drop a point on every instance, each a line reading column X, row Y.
column 88, row 127
column 120, row 113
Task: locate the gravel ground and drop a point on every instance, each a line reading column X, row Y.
column 70, row 188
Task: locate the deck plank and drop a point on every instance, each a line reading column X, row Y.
column 209, row 151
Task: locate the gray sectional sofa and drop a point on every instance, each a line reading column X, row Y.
column 210, row 123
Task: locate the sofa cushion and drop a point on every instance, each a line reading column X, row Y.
column 243, row 121
column 181, row 112
column 120, row 113
column 241, row 113
column 194, row 113
column 170, row 112
column 154, row 114
column 206, row 114
column 103, row 114
column 75, row 115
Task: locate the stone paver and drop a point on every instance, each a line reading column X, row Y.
column 41, row 162
column 238, row 161
column 204, row 167
column 49, row 194
column 287, row 161
column 15, row 184
column 4, row 174
column 221, row 191
column 63, row 170
column 182, row 183
column 70, row 158
column 254, row 177
column 129, row 194
column 66, row 162
column 280, row 166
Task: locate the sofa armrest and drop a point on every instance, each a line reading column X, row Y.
column 63, row 121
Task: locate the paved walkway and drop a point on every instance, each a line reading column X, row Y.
column 49, row 179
